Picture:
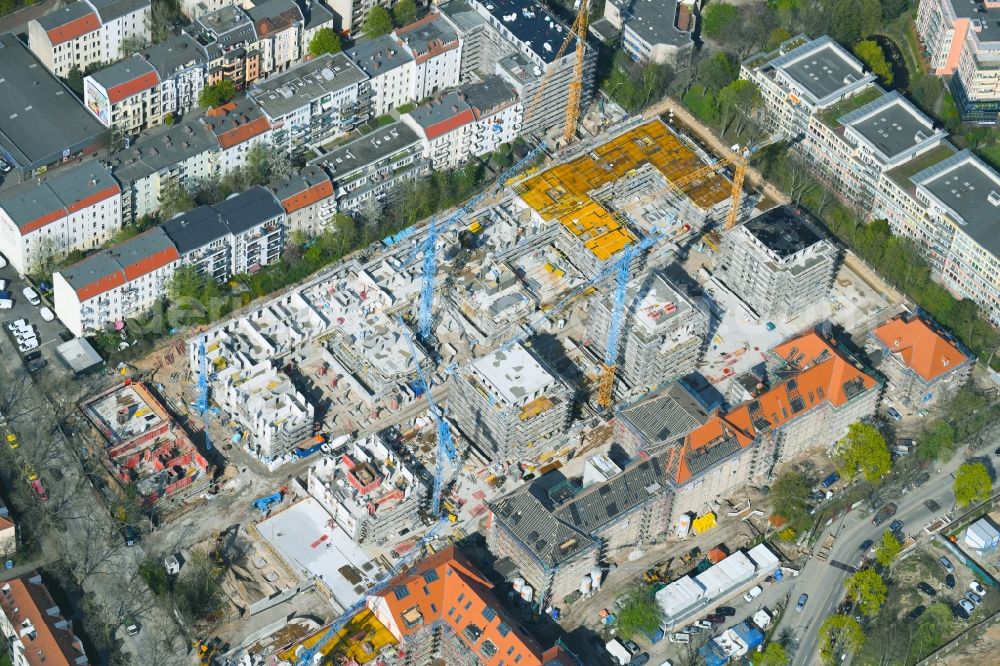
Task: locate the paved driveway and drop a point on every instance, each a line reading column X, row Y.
column 47, row 331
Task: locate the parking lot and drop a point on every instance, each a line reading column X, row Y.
column 47, row 332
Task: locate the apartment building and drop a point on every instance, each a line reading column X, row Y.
column 353, row 13
column 42, row 125
column 962, row 40
column 125, row 96
column 436, row 50
column 853, row 143
column 651, row 422
column 371, row 492
column 181, row 64
column 308, row 199
column 238, row 235
column 77, row 208
column 314, row 102
column 279, row 26
column 779, row 263
column 535, row 36
column 555, row 532
column 390, row 69
column 446, row 130
column 115, row 284
column 948, row 202
column 186, row 153
column 801, row 78
column 230, row 39
column 238, row 127
column 34, row 628
column 662, row 336
column 922, row 364
column 511, row 406
column 442, row 609
column 657, row 31
column 482, row 44
column 369, row 170
column 498, row 113
column 195, row 9
column 87, row 31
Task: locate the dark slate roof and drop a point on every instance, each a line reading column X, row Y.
column 90, row 269
column 163, row 148
column 317, row 14
column 177, row 52
column 488, row 95
column 543, row 534
column 109, row 10
column 30, row 200
column 195, row 229
column 530, row 23
column 784, row 232
column 461, row 14
column 248, row 209
column 705, row 457
column 664, row 415
column 230, row 25
column 39, row 117
column 122, row 71
column 60, row 17
column 604, row 503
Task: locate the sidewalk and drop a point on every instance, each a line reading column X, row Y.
column 22, row 568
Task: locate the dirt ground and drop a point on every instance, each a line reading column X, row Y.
column 983, row 650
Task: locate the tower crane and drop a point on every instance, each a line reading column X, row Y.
column 578, row 30
column 308, row 656
column 446, row 447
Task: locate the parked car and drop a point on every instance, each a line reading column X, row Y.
column 679, row 637
column 753, row 593
column 865, row 545
column 917, row 612
column 977, row 587
column 725, row 611
column 4, row 167
column 949, row 582
column 974, row 598
column 830, row 480
column 631, row 646
column 27, row 345
column 32, row 296
column 640, row 660
column 964, row 609
column 704, row 624
column 896, row 525
column 946, row 563
column 3, row 262
column 924, row 587
column 32, row 356
column 39, row 490
column 884, row 514
column 692, row 629
column 133, row 627
column 715, row 618
column 47, row 314
column 37, row 365
column 803, row 598
column 922, row 479
column 894, row 414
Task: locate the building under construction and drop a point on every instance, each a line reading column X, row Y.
column 590, row 195
column 144, row 447
column 663, row 331
column 511, row 406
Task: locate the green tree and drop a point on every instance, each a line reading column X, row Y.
column 404, row 12
column 74, row 80
column 851, row 20
column 972, row 484
column 868, row 591
column 772, row 655
column 197, row 593
column 701, row 102
column 174, row 198
column 934, row 628
column 378, row 23
column 871, row 53
column 325, row 41
column 937, row 442
column 864, row 450
column 790, row 497
column 217, row 94
column 162, row 16
column 737, row 102
column 640, row 613
column 719, row 19
column 186, row 282
column 888, row 549
column 839, row 634
column 718, row 71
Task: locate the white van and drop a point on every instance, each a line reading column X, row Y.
column 6, row 304
column 753, row 593
column 31, row 295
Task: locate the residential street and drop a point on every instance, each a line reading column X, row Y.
column 823, row 582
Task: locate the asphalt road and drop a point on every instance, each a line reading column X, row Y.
column 823, row 582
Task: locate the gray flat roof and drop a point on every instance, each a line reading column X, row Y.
column 60, row 17
column 30, row 200
column 91, row 269
column 139, row 247
column 279, row 13
column 79, row 355
column 177, row 52
column 489, row 94
column 370, row 148
column 116, row 259
column 891, row 124
column 429, row 33
column 302, row 84
column 378, row 55
column 462, row 14
column 109, row 10
column 655, row 21
column 316, row 14
column 988, row 29
column 784, row 232
column 162, row 148
column 529, row 22
column 122, row 71
column 820, row 67
column 230, row 25
column 966, row 185
column 39, row 117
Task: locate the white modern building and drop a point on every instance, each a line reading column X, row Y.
column 657, row 31
column 182, row 66
column 436, row 50
column 390, row 69
column 238, row 126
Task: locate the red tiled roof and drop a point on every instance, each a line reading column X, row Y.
column 151, row 263
column 308, row 197
column 135, row 86
column 244, row 132
column 922, row 349
column 74, row 29
column 6, row 524
column 24, row 600
column 94, row 198
column 441, row 128
column 40, row 222
column 101, row 285
column 447, row 587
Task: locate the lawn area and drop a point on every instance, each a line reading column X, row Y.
column 5, row 660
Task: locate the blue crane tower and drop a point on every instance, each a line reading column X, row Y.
column 428, row 276
column 201, row 404
column 307, row 656
column 446, row 447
